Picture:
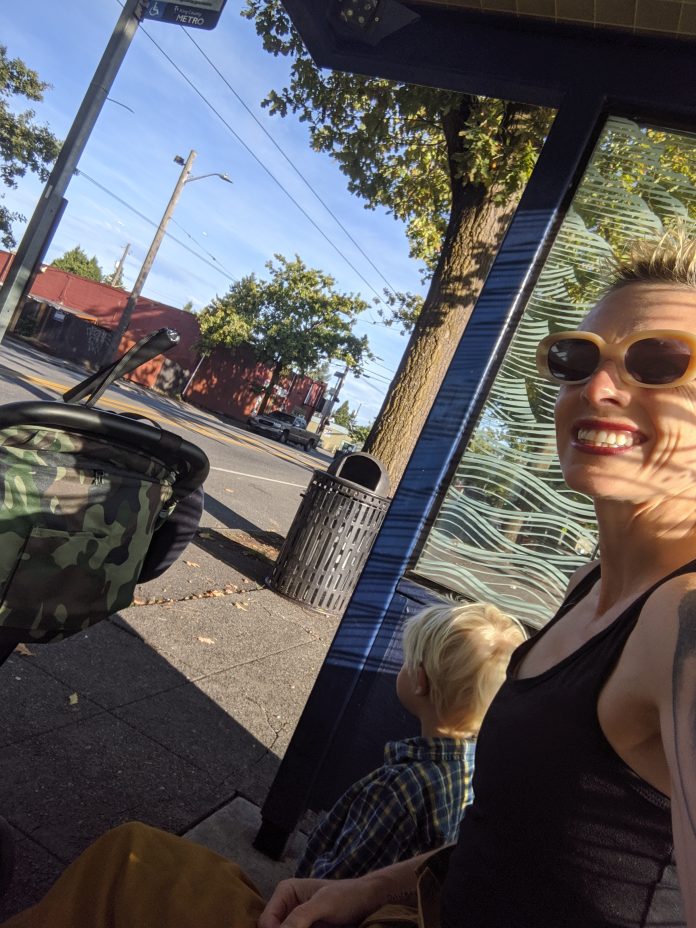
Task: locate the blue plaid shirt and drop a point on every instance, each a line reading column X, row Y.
column 412, row 804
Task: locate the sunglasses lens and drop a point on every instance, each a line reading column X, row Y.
column 657, row 360
column 572, row 359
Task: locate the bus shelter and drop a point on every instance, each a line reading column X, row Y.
column 482, row 511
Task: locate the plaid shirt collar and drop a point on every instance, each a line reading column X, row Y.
column 425, row 749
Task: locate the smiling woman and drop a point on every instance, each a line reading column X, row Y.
column 509, row 529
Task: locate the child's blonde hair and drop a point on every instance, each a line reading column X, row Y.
column 464, row 651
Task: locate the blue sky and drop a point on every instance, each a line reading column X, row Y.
column 153, row 115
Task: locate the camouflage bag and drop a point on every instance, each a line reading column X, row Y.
column 82, row 493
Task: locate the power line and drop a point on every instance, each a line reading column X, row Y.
column 216, row 267
column 371, row 375
column 262, row 165
column 370, row 384
column 387, row 369
column 201, row 245
column 367, row 374
column 287, row 158
column 145, row 218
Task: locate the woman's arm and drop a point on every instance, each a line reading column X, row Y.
column 666, row 655
column 302, row 903
column 678, row 730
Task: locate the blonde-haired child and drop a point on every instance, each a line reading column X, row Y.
column 455, row 657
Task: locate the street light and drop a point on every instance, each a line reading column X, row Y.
column 225, row 177
column 184, row 178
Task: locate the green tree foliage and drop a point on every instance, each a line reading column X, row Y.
column 359, row 433
column 344, row 416
column 293, row 320
column 24, row 145
column 321, row 372
column 450, row 166
column 76, row 262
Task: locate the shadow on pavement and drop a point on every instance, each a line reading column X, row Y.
column 101, row 729
column 31, row 388
column 241, row 544
column 252, row 554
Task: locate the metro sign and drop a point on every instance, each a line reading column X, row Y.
column 201, row 14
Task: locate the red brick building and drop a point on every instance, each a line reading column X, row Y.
column 72, row 317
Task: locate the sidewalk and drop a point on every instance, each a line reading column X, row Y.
column 175, row 712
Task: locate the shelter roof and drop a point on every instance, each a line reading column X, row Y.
column 639, row 52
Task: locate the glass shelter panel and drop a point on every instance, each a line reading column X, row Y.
column 509, row 530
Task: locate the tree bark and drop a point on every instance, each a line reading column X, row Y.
column 476, row 227
column 275, row 377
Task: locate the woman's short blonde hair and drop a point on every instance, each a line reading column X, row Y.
column 670, row 259
column 464, row 651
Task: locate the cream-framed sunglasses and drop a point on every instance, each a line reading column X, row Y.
column 653, row 358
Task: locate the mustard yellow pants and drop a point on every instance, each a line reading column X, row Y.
column 140, row 877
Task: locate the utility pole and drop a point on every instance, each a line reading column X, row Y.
column 116, row 276
column 149, row 258
column 326, row 413
column 36, row 235
column 201, row 359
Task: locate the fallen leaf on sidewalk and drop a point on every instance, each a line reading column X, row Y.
column 241, row 606
column 23, row 649
column 191, row 564
column 72, row 699
column 206, row 640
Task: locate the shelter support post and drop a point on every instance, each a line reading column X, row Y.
column 502, row 300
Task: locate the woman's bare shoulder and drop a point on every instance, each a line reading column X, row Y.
column 668, row 616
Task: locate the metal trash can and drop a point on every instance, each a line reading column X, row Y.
column 332, row 533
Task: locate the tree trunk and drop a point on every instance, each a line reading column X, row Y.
column 476, row 227
column 275, row 377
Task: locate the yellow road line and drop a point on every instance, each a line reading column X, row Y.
column 126, row 406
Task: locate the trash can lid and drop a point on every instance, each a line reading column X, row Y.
column 362, row 469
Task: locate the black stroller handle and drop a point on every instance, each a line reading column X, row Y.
column 147, row 348
column 185, row 459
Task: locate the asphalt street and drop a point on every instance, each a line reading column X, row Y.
column 255, row 483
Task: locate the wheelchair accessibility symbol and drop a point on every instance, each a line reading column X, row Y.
column 155, row 9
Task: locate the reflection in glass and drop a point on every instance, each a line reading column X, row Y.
column 509, row 530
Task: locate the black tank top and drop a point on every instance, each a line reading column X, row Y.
column 562, row 833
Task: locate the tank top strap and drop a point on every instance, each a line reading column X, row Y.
column 585, row 585
column 630, row 615
column 579, row 591
column 617, row 630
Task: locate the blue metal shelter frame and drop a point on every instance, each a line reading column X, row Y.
column 586, row 75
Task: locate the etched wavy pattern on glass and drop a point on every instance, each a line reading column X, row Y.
column 509, row 530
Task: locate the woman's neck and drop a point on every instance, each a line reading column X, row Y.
column 640, row 544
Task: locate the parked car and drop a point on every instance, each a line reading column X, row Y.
column 285, row 427
column 346, row 447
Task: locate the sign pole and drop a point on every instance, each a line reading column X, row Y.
column 44, row 217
